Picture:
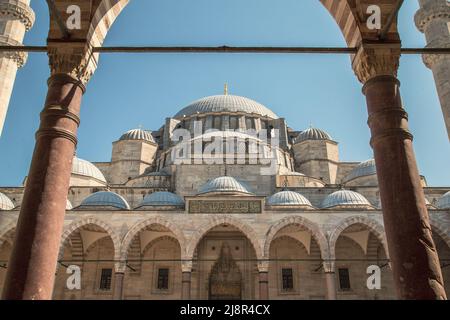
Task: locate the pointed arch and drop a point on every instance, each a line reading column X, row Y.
column 218, row 220
column 374, row 226
column 84, row 222
column 5, row 230
column 140, row 226
column 312, row 227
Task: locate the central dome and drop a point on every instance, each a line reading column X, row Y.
column 226, row 103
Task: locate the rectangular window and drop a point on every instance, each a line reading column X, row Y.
column 163, row 279
column 105, row 279
column 288, row 279
column 217, row 123
column 250, row 123
column 344, row 279
column 234, row 123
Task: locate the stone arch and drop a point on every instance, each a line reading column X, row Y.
column 218, row 220
column 4, row 231
column 138, row 227
column 443, row 233
column 86, row 221
column 292, row 220
column 107, row 12
column 374, row 226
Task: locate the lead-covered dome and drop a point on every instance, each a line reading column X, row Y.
column 162, row 198
column 345, row 198
column 226, row 103
column 444, row 201
column 138, row 134
column 224, row 185
column 365, row 168
column 312, row 134
column 85, row 168
column 5, row 202
column 105, row 199
column 288, row 198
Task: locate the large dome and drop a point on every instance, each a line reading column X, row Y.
column 288, row 198
column 138, row 134
column 5, row 202
column 312, row 134
column 224, row 184
column 345, row 198
column 226, row 103
column 365, row 168
column 85, row 168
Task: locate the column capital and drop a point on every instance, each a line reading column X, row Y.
column 329, row 266
column 376, row 59
column 120, row 267
column 263, row 265
column 75, row 59
column 186, row 266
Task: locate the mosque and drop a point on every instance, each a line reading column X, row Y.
column 145, row 225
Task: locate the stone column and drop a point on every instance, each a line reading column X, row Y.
column 16, row 18
column 433, row 19
column 186, row 285
column 118, row 285
column 263, row 285
column 415, row 263
column 330, row 279
column 31, row 271
column 186, row 275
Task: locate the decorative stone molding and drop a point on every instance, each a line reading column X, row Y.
column 19, row 57
column 329, row 266
column 18, row 10
column 186, row 266
column 433, row 10
column 373, row 60
column 75, row 59
column 430, row 60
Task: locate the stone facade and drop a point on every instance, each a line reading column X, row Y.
column 224, row 224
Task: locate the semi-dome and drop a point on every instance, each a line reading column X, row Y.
column 365, row 168
column 105, row 199
column 138, row 134
column 5, row 202
column 345, row 198
column 162, row 198
column 226, row 103
column 444, row 201
column 312, row 134
column 85, row 168
column 224, row 184
column 288, row 198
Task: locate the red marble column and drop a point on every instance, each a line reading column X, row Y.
column 118, row 285
column 186, row 286
column 415, row 262
column 32, row 266
column 263, row 285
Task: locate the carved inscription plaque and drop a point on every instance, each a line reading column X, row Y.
column 224, row 206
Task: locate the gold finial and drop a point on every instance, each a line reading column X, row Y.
column 225, row 89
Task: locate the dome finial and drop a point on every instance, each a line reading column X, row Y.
column 225, row 89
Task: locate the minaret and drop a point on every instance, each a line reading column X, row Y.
column 433, row 19
column 16, row 18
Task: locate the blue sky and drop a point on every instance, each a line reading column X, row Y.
column 129, row 90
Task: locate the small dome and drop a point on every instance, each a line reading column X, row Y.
column 226, row 104
column 105, row 199
column 68, row 205
column 345, row 198
column 312, row 134
column 365, row 168
column 288, row 198
column 5, row 202
column 444, row 201
column 224, row 184
column 85, row 168
column 138, row 134
column 162, row 198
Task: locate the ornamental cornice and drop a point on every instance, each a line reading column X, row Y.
column 19, row 57
column 430, row 12
column 18, row 10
